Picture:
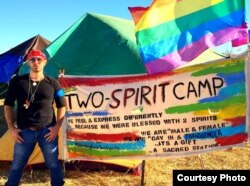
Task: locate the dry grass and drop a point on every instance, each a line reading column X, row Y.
column 157, row 171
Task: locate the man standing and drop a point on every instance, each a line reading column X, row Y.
column 36, row 120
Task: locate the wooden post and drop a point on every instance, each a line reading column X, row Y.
column 143, row 172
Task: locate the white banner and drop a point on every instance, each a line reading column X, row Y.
column 191, row 110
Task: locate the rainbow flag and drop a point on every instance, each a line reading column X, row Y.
column 171, row 33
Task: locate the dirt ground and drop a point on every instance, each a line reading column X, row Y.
column 158, row 172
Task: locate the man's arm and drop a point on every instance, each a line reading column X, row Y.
column 60, row 116
column 55, row 129
column 8, row 113
column 9, row 117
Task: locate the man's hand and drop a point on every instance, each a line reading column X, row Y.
column 52, row 134
column 16, row 135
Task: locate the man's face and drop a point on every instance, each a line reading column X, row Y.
column 37, row 64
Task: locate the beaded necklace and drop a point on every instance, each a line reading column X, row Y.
column 31, row 94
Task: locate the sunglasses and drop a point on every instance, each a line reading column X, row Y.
column 34, row 59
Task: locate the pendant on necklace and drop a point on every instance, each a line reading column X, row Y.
column 34, row 83
column 26, row 104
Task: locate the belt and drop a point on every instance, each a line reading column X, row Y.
column 38, row 127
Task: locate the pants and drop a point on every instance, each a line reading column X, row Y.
column 23, row 151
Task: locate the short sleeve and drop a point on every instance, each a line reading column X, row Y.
column 59, row 95
column 11, row 94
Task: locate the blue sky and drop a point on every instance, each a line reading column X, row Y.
column 22, row 19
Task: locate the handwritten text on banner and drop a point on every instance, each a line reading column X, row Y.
column 191, row 110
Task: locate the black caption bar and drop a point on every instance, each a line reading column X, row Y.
column 211, row 177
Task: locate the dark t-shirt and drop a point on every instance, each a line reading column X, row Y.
column 40, row 110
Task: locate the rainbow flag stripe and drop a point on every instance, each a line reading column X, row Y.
column 104, row 145
column 171, row 33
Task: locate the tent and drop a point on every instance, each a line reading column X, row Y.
column 11, row 60
column 95, row 45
